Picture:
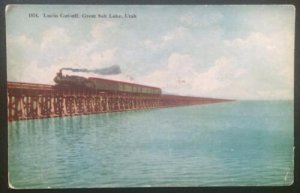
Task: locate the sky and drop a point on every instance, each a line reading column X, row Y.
column 234, row 52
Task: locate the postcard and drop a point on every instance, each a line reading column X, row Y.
column 150, row 95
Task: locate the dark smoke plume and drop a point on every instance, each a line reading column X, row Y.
column 114, row 69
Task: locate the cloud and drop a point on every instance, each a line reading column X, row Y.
column 100, row 31
column 54, row 50
column 205, row 51
column 152, row 45
column 254, row 40
column 206, row 20
column 22, row 41
column 171, row 37
column 268, row 59
column 89, row 56
column 54, row 38
column 177, row 33
column 178, row 66
column 246, row 71
column 19, row 51
column 219, row 78
column 224, row 79
column 181, row 77
column 105, row 57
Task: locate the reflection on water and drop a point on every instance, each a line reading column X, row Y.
column 239, row 143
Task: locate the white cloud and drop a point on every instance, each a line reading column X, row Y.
column 221, row 76
column 170, row 37
column 256, row 40
column 177, row 33
column 152, row 45
column 268, row 60
column 181, row 77
column 87, row 55
column 254, row 67
column 41, row 58
column 224, row 79
column 19, row 50
column 100, row 31
column 22, row 41
column 202, row 52
column 54, row 38
column 206, row 20
column 174, row 75
column 104, row 58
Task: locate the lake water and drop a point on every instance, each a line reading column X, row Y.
column 243, row 143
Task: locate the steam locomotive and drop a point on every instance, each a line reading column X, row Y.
column 103, row 84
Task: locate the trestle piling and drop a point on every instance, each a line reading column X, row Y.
column 36, row 101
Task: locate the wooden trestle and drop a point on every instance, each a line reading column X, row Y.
column 36, row 101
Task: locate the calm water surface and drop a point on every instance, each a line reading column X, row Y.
column 226, row 144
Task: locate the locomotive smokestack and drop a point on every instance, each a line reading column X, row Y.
column 114, row 69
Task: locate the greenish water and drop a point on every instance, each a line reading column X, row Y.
column 227, row 144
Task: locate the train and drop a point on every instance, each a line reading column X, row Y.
column 103, row 84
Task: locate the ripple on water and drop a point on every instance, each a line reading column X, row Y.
column 228, row 144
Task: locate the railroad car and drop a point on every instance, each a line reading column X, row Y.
column 112, row 85
column 103, row 84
